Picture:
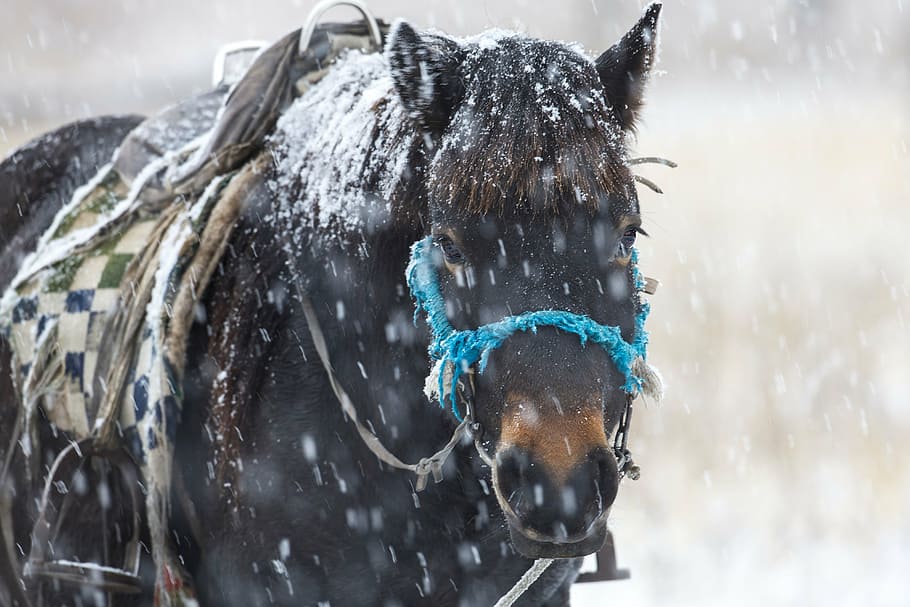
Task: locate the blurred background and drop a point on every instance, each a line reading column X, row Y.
column 776, row 470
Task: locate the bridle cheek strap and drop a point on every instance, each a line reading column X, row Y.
column 427, row 466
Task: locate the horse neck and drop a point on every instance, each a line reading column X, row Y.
column 379, row 355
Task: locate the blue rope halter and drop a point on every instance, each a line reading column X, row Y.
column 469, row 347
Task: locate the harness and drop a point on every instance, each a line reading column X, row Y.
column 461, row 354
column 456, row 351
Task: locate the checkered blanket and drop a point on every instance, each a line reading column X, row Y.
column 57, row 312
column 98, row 319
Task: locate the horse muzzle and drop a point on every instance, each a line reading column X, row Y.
column 555, row 515
column 531, row 544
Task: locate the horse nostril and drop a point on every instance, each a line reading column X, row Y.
column 607, row 478
column 513, row 471
column 590, row 489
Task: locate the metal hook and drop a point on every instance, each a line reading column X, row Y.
column 312, row 19
column 624, row 462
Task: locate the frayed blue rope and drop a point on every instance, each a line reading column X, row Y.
column 421, row 277
column 465, row 348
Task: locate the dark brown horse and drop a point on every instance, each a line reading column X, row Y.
column 511, row 152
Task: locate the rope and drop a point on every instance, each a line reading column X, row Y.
column 423, row 468
column 522, row 585
column 466, row 348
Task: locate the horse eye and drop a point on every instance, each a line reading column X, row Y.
column 450, row 250
column 627, row 241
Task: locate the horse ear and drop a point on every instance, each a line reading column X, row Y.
column 625, row 66
column 425, row 72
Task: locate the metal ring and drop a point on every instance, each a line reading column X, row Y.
column 123, row 579
column 307, row 33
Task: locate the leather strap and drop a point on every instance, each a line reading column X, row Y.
column 422, row 469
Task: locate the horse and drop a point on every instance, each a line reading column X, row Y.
column 506, row 157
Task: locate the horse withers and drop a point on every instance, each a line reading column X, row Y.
column 509, row 154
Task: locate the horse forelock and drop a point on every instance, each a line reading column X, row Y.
column 534, row 132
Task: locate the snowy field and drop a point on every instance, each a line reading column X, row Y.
column 777, row 470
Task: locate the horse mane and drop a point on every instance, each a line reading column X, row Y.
column 343, row 151
column 534, row 132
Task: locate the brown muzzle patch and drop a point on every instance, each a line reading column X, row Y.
column 560, row 436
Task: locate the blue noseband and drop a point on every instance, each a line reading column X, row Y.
column 469, row 347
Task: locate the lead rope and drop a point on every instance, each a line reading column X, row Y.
column 524, row 582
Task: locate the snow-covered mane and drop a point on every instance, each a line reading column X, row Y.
column 342, row 150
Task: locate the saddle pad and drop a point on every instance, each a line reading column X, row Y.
column 60, row 313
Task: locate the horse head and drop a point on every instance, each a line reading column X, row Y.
column 533, row 207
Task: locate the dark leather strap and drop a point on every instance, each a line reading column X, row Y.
column 606, row 565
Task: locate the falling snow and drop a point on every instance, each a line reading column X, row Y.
column 776, row 472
